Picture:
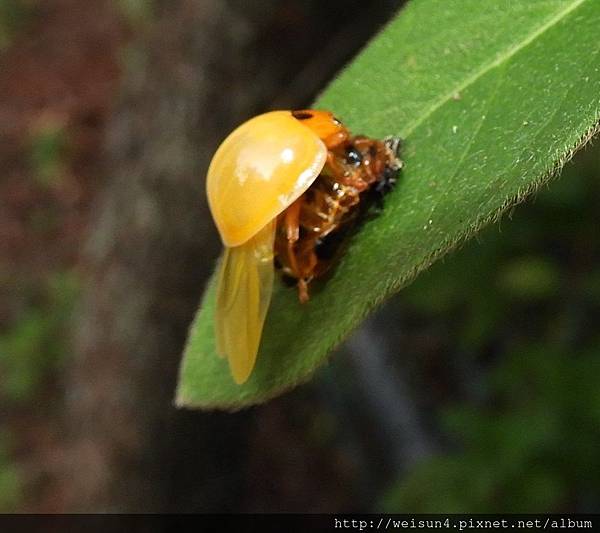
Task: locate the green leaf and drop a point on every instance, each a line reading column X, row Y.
column 491, row 98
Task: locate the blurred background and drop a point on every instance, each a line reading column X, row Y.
column 476, row 389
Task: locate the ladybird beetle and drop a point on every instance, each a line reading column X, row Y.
column 284, row 189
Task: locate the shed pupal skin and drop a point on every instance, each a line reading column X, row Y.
column 258, row 171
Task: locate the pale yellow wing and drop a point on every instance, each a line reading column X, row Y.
column 245, row 285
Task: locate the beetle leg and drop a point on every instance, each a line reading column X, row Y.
column 303, row 290
column 299, row 265
column 291, row 224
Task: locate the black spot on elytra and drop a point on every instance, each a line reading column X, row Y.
column 302, row 115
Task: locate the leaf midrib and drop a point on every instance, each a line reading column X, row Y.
column 501, row 58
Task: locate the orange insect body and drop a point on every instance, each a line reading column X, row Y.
column 284, row 188
column 310, row 230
